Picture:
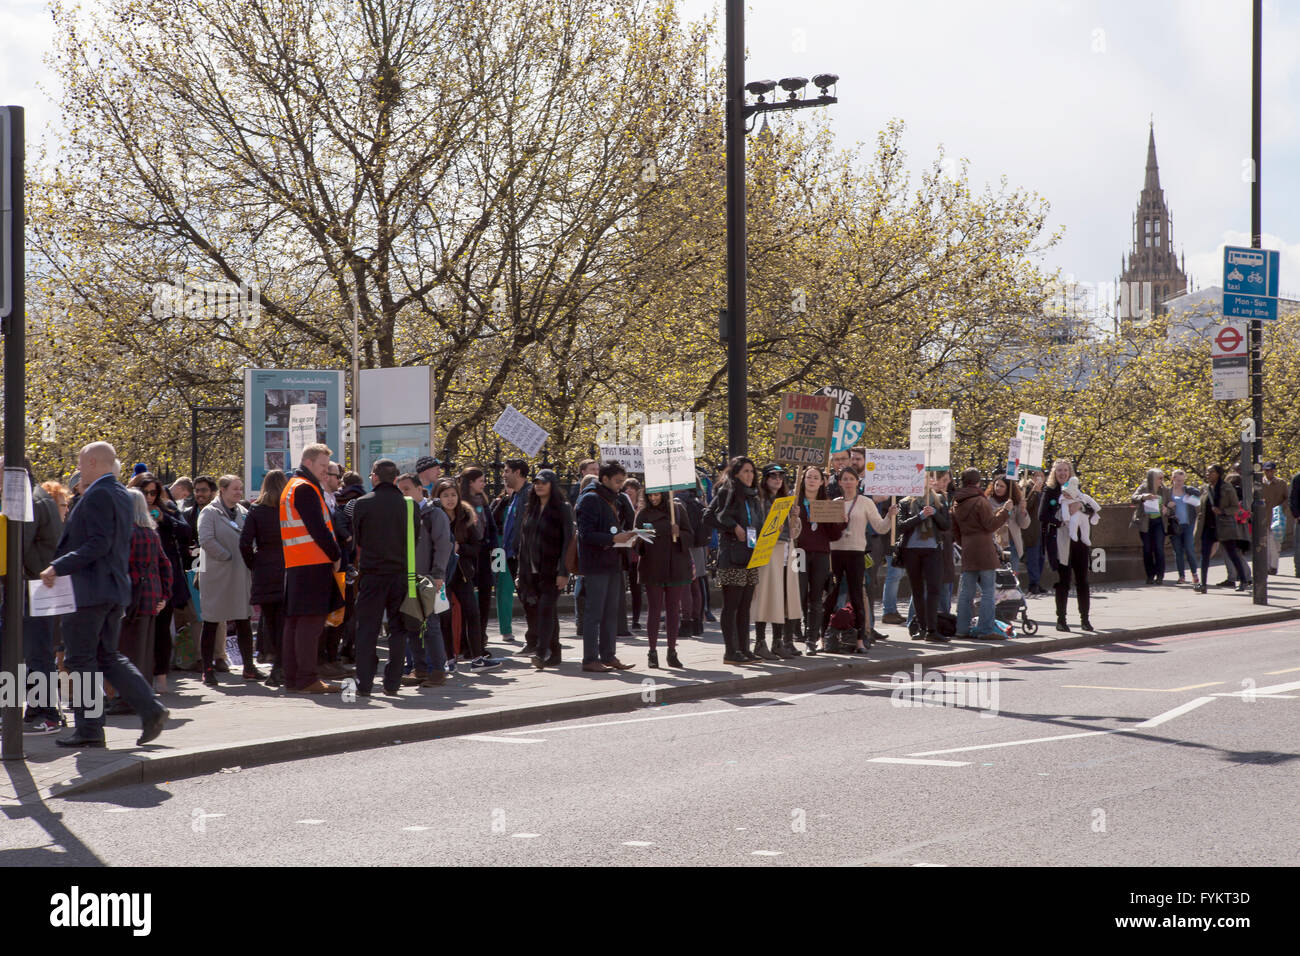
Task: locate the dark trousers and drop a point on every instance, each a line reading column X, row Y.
column 634, row 588
column 90, row 637
column 332, row 636
column 136, row 643
column 530, row 610
column 377, row 595
column 849, row 567
column 667, row 600
column 544, row 617
column 483, row 590
column 812, row 589
column 600, row 615
column 462, row 593
column 1230, row 553
column 301, row 636
column 693, row 602
column 243, row 634
column 1078, row 566
column 162, row 642
column 270, row 631
column 1153, row 550
column 38, row 654
column 925, row 574
column 736, row 602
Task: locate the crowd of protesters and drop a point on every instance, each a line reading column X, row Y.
column 174, row 577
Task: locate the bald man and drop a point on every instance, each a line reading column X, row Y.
column 94, row 551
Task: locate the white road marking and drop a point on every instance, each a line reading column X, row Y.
column 929, row 864
column 811, row 693
column 416, row 829
column 524, row 836
column 1287, row 670
column 1273, row 689
column 766, row 853
column 119, row 809
column 499, row 740
column 924, row 763
column 614, row 723
column 1013, row 743
column 1178, row 711
column 310, row 823
column 636, row 843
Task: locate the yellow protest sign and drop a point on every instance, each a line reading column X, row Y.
column 771, row 532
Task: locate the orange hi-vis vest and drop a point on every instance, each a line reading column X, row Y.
column 300, row 548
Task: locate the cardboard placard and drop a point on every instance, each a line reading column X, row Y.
column 771, row 533
column 521, row 431
column 931, row 432
column 803, row 429
column 894, row 471
column 629, row 456
column 668, row 450
column 826, row 511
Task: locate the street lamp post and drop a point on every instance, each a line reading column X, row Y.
column 734, row 331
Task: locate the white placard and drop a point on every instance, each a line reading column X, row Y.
column 629, row 456
column 521, row 431
column 1013, row 458
column 1032, row 432
column 1151, row 506
column 47, row 602
column 18, row 495
column 668, row 449
column 932, row 434
column 894, row 471
column 302, row 431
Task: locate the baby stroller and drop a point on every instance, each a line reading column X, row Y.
column 1009, row 600
column 841, row 632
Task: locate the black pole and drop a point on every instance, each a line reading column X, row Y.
column 737, row 341
column 12, row 218
column 1258, row 509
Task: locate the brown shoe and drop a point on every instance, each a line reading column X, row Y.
column 892, row 619
column 434, row 680
column 413, row 680
column 618, row 665
column 330, row 669
column 596, row 667
column 320, row 687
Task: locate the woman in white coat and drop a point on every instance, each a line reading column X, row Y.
column 225, row 583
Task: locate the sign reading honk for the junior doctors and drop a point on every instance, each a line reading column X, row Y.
column 894, row 472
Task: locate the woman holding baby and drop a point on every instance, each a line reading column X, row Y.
column 1066, row 514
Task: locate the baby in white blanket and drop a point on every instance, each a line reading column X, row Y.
column 1075, row 522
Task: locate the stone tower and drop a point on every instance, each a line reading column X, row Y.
column 1151, row 273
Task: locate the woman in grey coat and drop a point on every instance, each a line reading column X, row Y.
column 225, row 583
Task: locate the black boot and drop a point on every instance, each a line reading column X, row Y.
column 778, row 643
column 673, row 660
column 760, row 643
column 792, row 631
column 732, row 653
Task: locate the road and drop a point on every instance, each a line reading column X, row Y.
column 1176, row 751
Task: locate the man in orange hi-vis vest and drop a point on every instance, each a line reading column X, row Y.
column 311, row 556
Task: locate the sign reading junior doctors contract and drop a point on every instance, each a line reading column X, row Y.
column 668, row 452
column 803, row 429
column 892, row 471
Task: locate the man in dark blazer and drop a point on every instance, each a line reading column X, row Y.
column 94, row 550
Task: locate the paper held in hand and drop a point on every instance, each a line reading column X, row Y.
column 18, row 495
column 47, row 602
column 642, row 534
column 894, row 471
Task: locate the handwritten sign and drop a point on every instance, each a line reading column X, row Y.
column 668, row 449
column 827, row 511
column 629, row 456
column 894, row 472
column 931, row 433
column 302, row 431
column 771, row 533
column 521, row 431
column 803, row 429
column 846, row 434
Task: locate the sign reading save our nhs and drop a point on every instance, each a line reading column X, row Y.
column 1250, row 282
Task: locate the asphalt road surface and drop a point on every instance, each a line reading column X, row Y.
column 1176, row 751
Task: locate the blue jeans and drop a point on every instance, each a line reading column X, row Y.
column 966, row 601
column 90, row 636
column 1185, row 548
column 1153, row 550
column 600, row 615
column 430, row 652
column 893, row 574
column 1034, row 564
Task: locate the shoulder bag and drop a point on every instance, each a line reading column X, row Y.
column 421, row 596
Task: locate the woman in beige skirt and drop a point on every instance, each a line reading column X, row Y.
column 770, row 605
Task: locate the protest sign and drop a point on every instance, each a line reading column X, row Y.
column 894, row 471
column 1013, row 458
column 850, row 417
column 18, row 495
column 302, row 430
column 803, row 429
column 1032, row 432
column 629, row 456
column 932, row 434
column 668, row 451
column 827, row 511
column 521, row 431
column 771, row 533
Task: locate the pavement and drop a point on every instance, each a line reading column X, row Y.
column 1170, row 751
column 238, row 724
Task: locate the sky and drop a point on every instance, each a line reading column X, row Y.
column 1056, row 96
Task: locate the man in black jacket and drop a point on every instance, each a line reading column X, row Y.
column 381, row 522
